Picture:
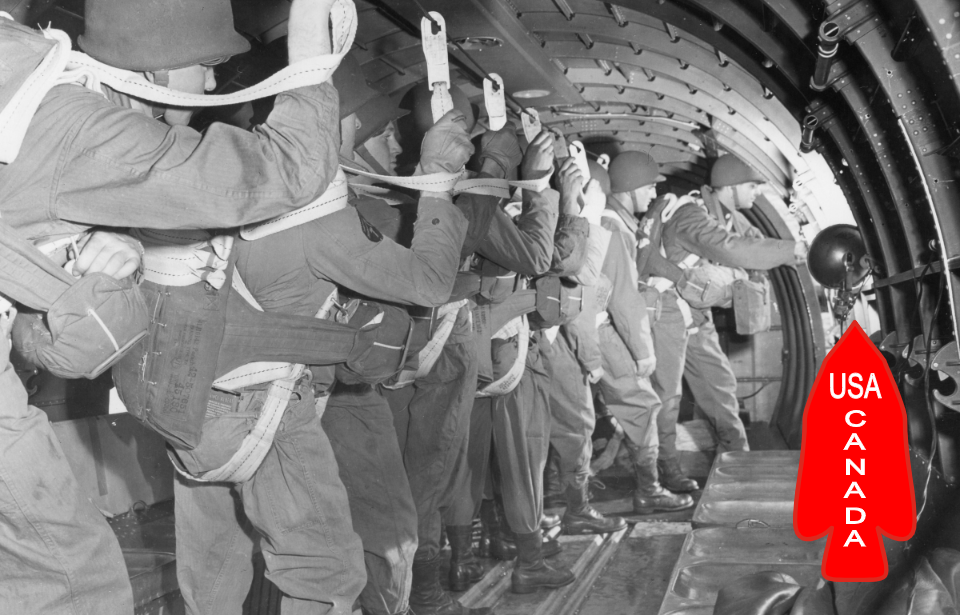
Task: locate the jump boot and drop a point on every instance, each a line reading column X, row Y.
column 496, row 539
column 465, row 570
column 427, row 597
column 671, row 476
column 581, row 517
column 552, row 488
column 532, row 573
column 651, row 497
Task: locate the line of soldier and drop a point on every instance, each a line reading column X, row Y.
column 362, row 471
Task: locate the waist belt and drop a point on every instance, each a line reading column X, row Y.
column 431, row 352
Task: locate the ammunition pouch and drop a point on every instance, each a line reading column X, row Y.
column 389, row 339
column 496, row 282
column 752, row 302
column 559, row 302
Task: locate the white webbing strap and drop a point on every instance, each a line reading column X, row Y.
column 260, row 372
column 312, row 71
column 603, row 318
column 16, row 115
column 255, row 445
column 519, row 327
column 438, row 67
column 530, row 121
column 450, row 182
column 334, row 198
column 495, row 101
column 428, row 355
column 62, row 65
column 183, row 257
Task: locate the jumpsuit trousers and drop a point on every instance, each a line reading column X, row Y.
column 708, row 372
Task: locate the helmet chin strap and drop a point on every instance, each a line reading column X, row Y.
column 636, row 203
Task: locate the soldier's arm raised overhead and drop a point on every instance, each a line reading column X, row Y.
column 88, row 159
column 525, row 245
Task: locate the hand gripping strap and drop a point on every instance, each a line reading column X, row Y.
column 62, row 65
column 509, row 381
column 312, row 71
column 332, row 200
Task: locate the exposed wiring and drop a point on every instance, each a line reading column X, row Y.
column 928, row 394
column 916, row 308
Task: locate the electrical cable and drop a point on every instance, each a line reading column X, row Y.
column 928, row 394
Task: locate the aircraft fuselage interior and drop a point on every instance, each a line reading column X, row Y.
column 666, row 489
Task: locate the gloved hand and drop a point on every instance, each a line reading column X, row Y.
column 595, row 375
column 114, row 254
column 538, row 159
column 595, row 201
column 446, row 147
column 308, row 29
column 571, row 187
column 646, row 367
column 502, row 147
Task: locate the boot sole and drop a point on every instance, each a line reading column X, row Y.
column 535, row 588
column 675, row 490
column 647, row 511
column 587, row 532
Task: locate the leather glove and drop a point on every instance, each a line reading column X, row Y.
column 502, row 147
column 571, row 186
column 446, row 146
column 538, row 159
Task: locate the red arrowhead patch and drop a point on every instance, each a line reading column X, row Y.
column 854, row 483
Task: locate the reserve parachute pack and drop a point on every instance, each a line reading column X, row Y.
column 89, row 322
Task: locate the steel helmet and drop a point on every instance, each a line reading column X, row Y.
column 729, row 170
column 632, row 170
column 373, row 109
column 147, row 35
column 600, row 174
column 838, row 257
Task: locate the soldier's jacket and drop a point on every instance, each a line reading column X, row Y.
column 625, row 305
column 524, row 245
column 693, row 229
column 295, row 270
column 88, row 160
